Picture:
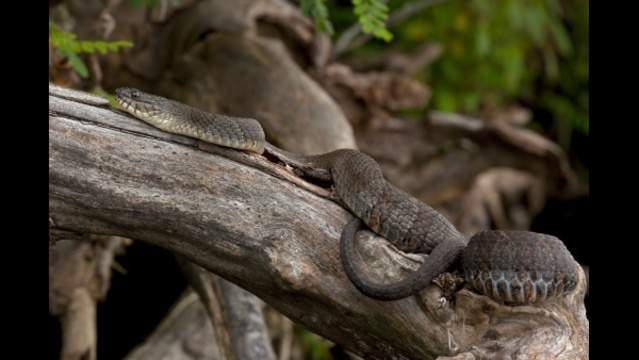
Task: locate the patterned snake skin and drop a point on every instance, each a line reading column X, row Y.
column 514, row 267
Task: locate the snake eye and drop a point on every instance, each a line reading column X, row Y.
column 135, row 93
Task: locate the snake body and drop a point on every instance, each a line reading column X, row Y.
column 515, row 267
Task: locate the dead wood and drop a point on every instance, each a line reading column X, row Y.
column 80, row 274
column 236, row 315
column 185, row 333
column 111, row 174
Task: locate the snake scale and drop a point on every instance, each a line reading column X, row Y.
column 512, row 267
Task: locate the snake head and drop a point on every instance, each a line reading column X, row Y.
column 135, row 101
column 153, row 109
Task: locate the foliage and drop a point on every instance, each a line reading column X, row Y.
column 69, row 47
column 148, row 3
column 316, row 9
column 314, row 347
column 498, row 52
column 112, row 101
column 371, row 14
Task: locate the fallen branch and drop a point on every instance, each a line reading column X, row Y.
column 112, row 174
column 184, row 334
column 80, row 274
column 236, row 315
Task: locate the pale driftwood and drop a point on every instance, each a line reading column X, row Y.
column 184, row 334
column 111, row 174
column 236, row 315
column 244, row 318
column 80, row 273
column 201, row 281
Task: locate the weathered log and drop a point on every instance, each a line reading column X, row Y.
column 111, row 174
column 184, row 334
column 80, row 274
column 236, row 315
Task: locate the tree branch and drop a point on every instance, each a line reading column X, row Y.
column 112, row 174
column 185, row 333
column 236, row 315
column 80, row 274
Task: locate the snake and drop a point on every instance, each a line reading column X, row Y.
column 511, row 267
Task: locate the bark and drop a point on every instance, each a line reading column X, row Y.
column 111, row 174
column 184, row 334
column 80, row 273
column 236, row 315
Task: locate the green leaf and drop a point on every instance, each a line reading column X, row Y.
column 100, row 92
column 121, row 44
column 317, row 10
column 372, row 16
column 516, row 13
column 482, row 41
column 471, row 102
column 445, row 101
column 102, row 46
column 536, row 25
column 144, row 3
column 551, row 64
column 69, row 47
column 513, row 66
column 561, row 38
column 87, row 47
column 76, row 62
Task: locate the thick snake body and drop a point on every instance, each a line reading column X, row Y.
column 515, row 267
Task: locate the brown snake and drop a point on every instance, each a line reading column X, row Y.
column 514, row 267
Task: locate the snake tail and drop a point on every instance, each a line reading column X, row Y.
column 439, row 260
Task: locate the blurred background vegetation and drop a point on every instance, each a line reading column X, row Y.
column 497, row 53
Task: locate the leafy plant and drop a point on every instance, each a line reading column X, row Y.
column 316, row 9
column 499, row 52
column 111, row 97
column 371, row 14
column 314, row 347
column 503, row 51
column 69, row 47
column 144, row 3
column 148, row 3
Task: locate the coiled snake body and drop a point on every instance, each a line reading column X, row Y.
column 514, row 267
